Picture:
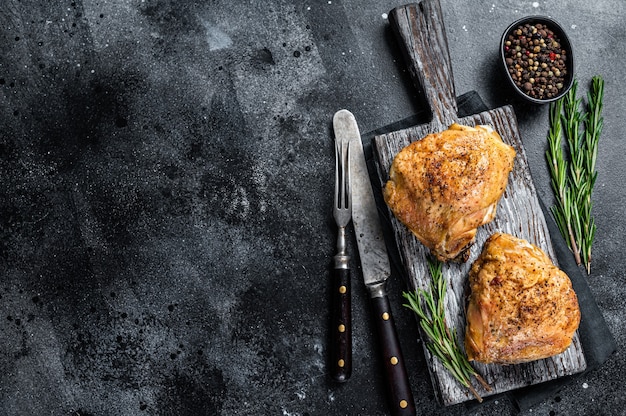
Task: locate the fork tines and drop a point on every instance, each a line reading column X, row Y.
column 342, row 203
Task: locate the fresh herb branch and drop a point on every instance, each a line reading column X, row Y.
column 558, row 171
column 593, row 128
column 429, row 305
column 572, row 119
column 573, row 179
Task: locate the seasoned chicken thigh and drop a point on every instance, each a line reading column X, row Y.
column 446, row 185
column 521, row 307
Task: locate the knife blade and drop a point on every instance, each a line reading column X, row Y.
column 375, row 267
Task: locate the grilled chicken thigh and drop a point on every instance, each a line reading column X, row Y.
column 446, row 185
column 521, row 307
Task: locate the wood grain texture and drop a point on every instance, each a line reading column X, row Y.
column 519, row 212
column 401, row 402
column 419, row 29
column 341, row 326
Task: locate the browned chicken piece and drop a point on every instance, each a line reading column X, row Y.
column 521, row 307
column 446, row 185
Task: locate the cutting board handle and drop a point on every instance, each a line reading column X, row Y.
column 420, row 30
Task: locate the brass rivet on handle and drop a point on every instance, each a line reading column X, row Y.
column 342, row 289
column 342, row 328
column 394, row 360
column 341, row 363
column 403, row 404
column 385, row 316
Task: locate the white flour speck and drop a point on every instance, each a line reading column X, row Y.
column 464, row 28
column 384, row 15
column 585, row 386
column 215, row 37
column 535, row 4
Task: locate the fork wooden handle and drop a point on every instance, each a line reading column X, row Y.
column 341, row 326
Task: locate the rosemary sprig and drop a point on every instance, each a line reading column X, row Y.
column 573, row 179
column 573, row 117
column 442, row 341
column 594, row 123
column 562, row 211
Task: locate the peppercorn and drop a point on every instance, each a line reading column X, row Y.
column 535, row 60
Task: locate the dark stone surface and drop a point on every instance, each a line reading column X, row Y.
column 165, row 200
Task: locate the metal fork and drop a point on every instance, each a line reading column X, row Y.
column 341, row 348
column 342, row 210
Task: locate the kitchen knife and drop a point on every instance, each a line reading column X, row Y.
column 375, row 267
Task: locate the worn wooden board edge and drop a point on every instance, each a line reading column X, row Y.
column 519, row 213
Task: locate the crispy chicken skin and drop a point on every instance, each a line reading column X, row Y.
column 521, row 307
column 446, row 185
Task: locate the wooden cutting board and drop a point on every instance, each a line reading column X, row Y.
column 420, row 31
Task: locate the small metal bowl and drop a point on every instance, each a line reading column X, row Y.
column 565, row 44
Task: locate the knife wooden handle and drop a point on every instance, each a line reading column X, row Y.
column 401, row 396
column 341, row 326
column 420, row 30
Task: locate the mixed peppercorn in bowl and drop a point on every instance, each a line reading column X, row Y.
column 537, row 57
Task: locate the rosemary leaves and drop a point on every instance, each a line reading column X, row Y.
column 573, row 166
column 442, row 340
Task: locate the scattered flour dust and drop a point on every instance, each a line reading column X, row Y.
column 318, row 362
column 318, row 347
column 215, row 37
column 535, row 4
column 301, row 394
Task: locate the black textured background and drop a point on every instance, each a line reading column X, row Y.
column 165, row 199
